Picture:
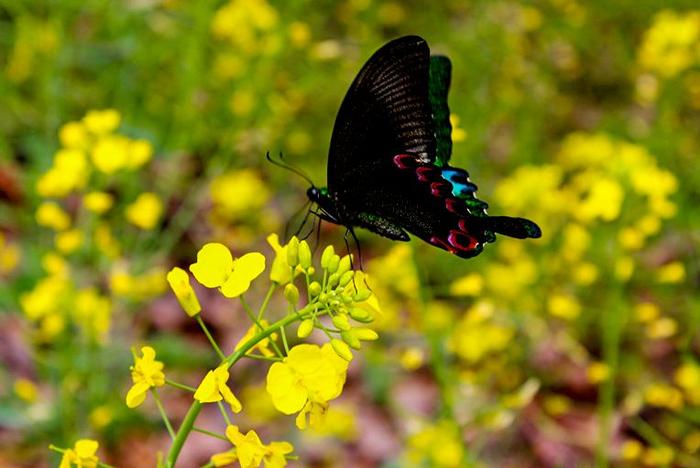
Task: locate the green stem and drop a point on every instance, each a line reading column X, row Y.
column 266, row 300
column 188, row 423
column 222, row 408
column 163, row 414
column 611, row 329
column 180, row 386
column 263, row 358
column 284, row 340
column 209, row 433
column 219, row 353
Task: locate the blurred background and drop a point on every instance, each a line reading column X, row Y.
column 133, row 132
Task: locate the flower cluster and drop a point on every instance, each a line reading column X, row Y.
column 303, row 377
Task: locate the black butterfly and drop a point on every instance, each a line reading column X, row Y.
column 388, row 165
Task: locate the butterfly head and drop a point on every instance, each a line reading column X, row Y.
column 325, row 202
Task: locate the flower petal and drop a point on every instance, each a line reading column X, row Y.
column 214, row 265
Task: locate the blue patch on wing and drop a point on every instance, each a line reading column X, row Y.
column 461, row 186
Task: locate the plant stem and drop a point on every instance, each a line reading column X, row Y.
column 611, row 329
column 209, row 433
column 180, row 386
column 210, row 338
column 163, row 414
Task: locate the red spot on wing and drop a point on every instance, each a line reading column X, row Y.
column 405, row 161
column 440, row 189
column 428, row 173
column 461, row 240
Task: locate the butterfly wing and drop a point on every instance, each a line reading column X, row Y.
column 388, row 165
column 384, row 113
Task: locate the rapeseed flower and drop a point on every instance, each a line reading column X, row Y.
column 81, row 455
column 145, row 211
column 308, row 378
column 250, row 452
column 216, row 268
column 213, row 388
column 51, row 215
column 146, row 373
column 437, row 445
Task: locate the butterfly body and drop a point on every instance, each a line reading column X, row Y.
column 388, row 165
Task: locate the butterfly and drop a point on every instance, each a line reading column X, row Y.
column 388, row 162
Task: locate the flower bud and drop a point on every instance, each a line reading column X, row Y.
column 328, row 253
column 341, row 322
column 345, row 278
column 361, row 315
column 304, row 255
column 315, row 288
column 362, row 295
column 333, row 280
column 341, row 349
column 311, row 270
column 291, row 293
column 293, row 252
column 365, row 334
column 350, row 338
column 305, row 328
column 345, row 264
column 333, row 264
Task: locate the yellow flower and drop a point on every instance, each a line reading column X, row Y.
column 92, row 313
column 82, row 455
column 100, row 122
column 250, row 452
column 687, row 376
column 263, row 345
column 179, row 281
column 73, row 135
column 469, row 285
column 26, row 390
column 213, row 388
column 476, row 335
column 664, row 396
column 51, row 215
column 598, row 372
column 673, row 272
column 139, row 153
column 216, row 268
column 563, row 306
column 146, row 373
column 669, row 45
column 98, row 202
column 663, row 327
column 308, row 378
column 69, row 172
column 631, row 449
column 69, row 241
column 145, row 212
column 438, row 445
column 9, row 255
column 110, row 153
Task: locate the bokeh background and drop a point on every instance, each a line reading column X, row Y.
column 132, row 132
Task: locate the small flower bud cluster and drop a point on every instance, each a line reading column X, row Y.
column 338, row 296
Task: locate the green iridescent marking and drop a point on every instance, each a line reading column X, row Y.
column 438, row 87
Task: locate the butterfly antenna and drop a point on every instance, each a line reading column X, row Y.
column 284, row 165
